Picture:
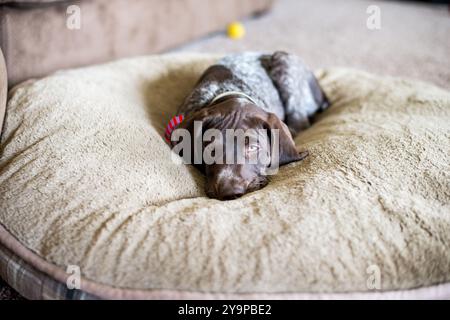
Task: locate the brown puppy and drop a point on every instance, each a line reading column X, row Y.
column 231, row 180
column 242, row 92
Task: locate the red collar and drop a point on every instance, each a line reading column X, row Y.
column 173, row 123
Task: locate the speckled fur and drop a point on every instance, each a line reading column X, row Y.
column 279, row 83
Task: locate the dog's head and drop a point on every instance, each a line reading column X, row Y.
column 235, row 161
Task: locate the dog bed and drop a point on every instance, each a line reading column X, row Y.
column 87, row 180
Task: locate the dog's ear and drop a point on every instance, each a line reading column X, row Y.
column 287, row 152
column 207, row 118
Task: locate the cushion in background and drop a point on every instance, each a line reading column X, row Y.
column 86, row 179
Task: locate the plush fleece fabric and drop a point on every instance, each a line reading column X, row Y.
column 87, row 179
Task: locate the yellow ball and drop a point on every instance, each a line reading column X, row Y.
column 235, row 30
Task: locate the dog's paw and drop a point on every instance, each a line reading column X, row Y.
column 303, row 154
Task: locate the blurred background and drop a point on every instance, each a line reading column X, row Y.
column 413, row 39
column 400, row 38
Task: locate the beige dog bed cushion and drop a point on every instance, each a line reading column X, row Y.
column 86, row 179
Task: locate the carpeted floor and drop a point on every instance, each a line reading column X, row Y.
column 412, row 42
column 7, row 293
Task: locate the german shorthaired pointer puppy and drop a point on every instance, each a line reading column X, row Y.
column 249, row 91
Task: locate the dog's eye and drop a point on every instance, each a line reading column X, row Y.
column 253, row 148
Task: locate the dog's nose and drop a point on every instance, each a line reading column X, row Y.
column 230, row 191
